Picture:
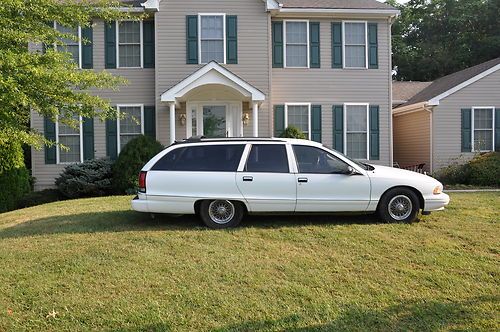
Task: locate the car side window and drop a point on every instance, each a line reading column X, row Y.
column 317, row 161
column 267, row 158
column 202, row 158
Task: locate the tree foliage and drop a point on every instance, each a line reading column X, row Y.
column 434, row 38
column 47, row 82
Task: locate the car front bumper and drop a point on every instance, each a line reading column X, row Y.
column 436, row 202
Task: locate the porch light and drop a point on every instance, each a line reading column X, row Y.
column 182, row 119
column 246, row 119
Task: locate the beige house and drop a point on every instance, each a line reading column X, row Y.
column 449, row 119
column 237, row 68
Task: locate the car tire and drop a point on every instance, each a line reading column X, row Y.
column 219, row 214
column 399, row 205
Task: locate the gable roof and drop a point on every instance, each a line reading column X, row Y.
column 449, row 84
column 335, row 4
column 402, row 91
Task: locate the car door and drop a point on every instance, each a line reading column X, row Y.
column 324, row 183
column 266, row 181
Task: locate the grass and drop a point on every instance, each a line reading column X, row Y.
column 93, row 264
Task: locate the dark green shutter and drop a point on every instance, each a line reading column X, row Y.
column 110, row 45
column 497, row 129
column 336, row 45
column 149, row 121
column 49, row 131
column 148, row 39
column 316, row 123
column 87, row 48
column 192, row 39
column 466, row 130
column 231, row 39
column 88, row 138
column 111, row 139
column 338, row 127
column 279, row 120
column 277, row 36
column 314, row 45
column 373, row 46
column 374, row 133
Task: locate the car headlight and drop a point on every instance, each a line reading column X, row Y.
column 438, row 190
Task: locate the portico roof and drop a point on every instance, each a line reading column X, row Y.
column 212, row 73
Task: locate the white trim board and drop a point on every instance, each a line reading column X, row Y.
column 435, row 101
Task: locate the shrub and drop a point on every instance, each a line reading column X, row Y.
column 14, row 177
column 293, row 132
column 40, row 197
column 87, row 179
column 485, row 169
column 132, row 158
column 482, row 170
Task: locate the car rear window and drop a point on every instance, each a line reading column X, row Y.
column 267, row 158
column 202, row 158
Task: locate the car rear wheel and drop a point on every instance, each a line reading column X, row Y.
column 219, row 214
column 399, row 205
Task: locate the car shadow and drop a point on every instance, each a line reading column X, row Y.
column 124, row 221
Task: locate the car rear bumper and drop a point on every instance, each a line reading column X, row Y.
column 437, row 202
column 140, row 204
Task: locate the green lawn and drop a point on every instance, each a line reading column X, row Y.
column 100, row 266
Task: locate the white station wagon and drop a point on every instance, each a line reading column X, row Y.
column 221, row 180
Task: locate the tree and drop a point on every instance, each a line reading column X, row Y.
column 434, row 38
column 48, row 82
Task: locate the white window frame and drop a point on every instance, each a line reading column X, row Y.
column 223, row 34
column 79, row 43
column 308, row 43
column 118, row 131
column 308, row 116
column 343, row 44
column 473, row 127
column 117, row 25
column 367, row 105
column 58, row 147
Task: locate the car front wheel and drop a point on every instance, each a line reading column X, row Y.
column 399, row 205
column 219, row 214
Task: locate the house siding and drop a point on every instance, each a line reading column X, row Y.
column 447, row 118
column 327, row 86
column 138, row 90
column 412, row 139
column 171, row 67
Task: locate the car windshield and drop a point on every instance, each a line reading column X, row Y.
column 360, row 164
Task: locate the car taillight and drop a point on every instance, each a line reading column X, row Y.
column 142, row 181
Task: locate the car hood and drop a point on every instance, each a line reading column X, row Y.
column 398, row 173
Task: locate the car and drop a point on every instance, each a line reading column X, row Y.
column 222, row 180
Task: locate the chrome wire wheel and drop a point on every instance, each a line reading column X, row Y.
column 400, row 207
column 221, row 212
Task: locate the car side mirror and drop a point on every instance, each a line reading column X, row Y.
column 351, row 171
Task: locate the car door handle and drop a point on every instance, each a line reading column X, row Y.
column 303, row 180
column 248, row 178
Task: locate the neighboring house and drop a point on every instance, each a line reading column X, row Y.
column 238, row 68
column 402, row 91
column 451, row 119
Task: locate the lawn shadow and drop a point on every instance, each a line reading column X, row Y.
column 419, row 315
column 124, row 221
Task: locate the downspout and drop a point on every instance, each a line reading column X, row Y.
column 391, row 143
column 270, row 121
column 430, row 109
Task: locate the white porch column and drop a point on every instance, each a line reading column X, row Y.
column 172, row 122
column 255, row 119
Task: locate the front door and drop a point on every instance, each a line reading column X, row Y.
column 214, row 119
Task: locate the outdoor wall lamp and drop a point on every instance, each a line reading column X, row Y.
column 182, row 119
column 246, row 119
